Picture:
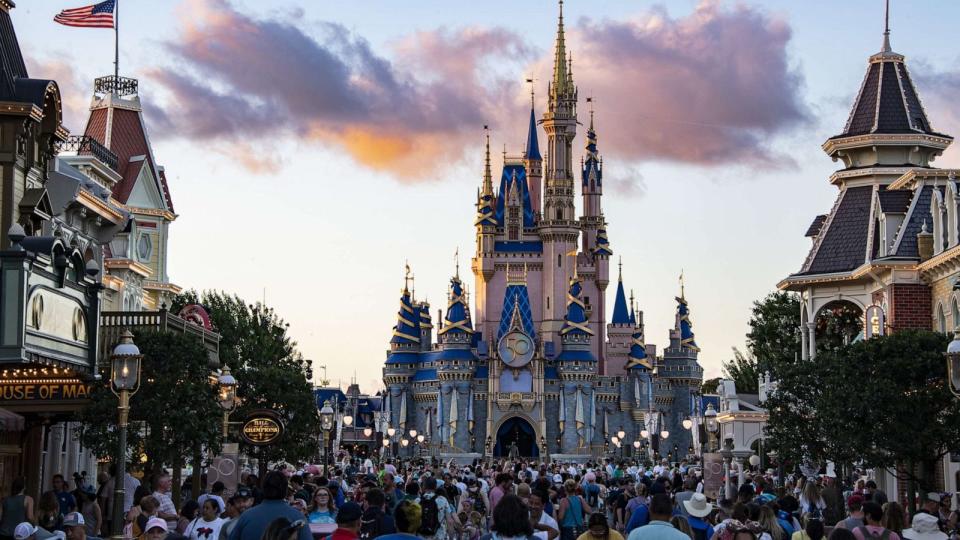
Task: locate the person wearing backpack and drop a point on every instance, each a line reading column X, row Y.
column 375, row 522
column 873, row 530
column 434, row 511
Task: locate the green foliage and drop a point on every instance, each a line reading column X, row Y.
column 744, row 371
column 774, row 336
column 174, row 410
column 883, row 401
column 270, row 373
column 710, row 386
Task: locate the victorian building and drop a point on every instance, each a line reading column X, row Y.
column 536, row 364
column 888, row 247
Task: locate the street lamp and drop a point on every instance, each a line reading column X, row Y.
column 228, row 397
column 367, row 431
column 710, row 422
column 125, row 381
column 664, row 434
column 326, row 424
column 953, row 365
column 404, row 442
column 347, row 420
column 644, row 434
column 391, row 432
column 413, row 434
column 621, row 434
column 687, row 423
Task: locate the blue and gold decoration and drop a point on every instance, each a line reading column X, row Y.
column 686, row 326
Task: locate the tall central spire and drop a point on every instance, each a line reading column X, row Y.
column 560, row 57
column 886, row 30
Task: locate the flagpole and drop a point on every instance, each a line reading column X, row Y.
column 116, row 44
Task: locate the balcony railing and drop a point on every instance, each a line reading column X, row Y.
column 113, row 323
column 86, row 145
column 121, row 86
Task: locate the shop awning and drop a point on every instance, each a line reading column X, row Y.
column 10, row 421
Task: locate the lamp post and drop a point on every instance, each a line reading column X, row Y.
column 953, row 364
column 347, row 421
column 391, row 431
column 413, row 438
column 228, row 397
column 636, row 448
column 687, row 423
column 326, row 424
column 711, row 425
column 124, row 382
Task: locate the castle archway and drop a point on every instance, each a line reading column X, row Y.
column 516, row 431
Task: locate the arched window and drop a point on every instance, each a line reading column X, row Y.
column 941, row 319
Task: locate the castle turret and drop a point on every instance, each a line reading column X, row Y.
column 559, row 228
column 576, row 333
column 426, row 326
column 405, row 343
column 592, row 184
column 486, row 223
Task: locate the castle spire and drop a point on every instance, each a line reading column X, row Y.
column 487, row 174
column 533, row 145
column 684, row 325
column 485, row 210
column 620, row 314
column 560, row 57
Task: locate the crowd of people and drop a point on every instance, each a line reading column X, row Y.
column 485, row 500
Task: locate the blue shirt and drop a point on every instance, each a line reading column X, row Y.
column 67, row 502
column 639, row 518
column 657, row 530
column 700, row 524
column 252, row 523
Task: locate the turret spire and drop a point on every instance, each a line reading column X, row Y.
column 620, row 314
column 487, row 174
column 886, row 30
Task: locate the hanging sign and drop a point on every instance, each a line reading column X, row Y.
column 261, row 428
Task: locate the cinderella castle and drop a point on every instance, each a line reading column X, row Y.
column 537, row 370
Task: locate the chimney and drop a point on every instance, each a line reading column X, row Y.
column 924, row 243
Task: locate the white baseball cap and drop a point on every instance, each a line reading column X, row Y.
column 157, row 522
column 24, row 530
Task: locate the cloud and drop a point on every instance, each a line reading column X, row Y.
column 709, row 88
column 74, row 94
column 937, row 89
column 625, row 179
column 262, row 78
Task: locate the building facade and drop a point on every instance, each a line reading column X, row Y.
column 888, row 248
column 536, row 365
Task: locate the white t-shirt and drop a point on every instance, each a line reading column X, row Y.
column 200, row 529
column 545, row 519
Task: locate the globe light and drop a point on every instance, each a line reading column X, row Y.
column 385, row 442
column 404, row 442
column 367, row 431
column 391, row 432
column 754, row 460
column 636, row 444
column 644, row 434
column 347, row 420
column 621, row 434
column 413, row 434
column 420, row 438
column 614, row 440
column 687, row 423
column 664, row 434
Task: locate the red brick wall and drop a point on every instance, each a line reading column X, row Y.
column 910, row 307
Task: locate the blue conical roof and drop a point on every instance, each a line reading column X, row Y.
column 576, row 319
column 620, row 314
column 686, row 327
column 637, row 358
column 457, row 320
column 407, row 329
column 533, row 145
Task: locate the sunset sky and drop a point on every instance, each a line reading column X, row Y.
column 313, row 146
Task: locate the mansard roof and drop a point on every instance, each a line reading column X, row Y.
column 129, row 141
column 894, row 201
column 814, row 229
column 841, row 245
column 888, row 102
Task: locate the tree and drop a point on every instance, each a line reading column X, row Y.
column 175, row 411
column 745, row 372
column 710, row 386
column 270, row 372
column 899, row 414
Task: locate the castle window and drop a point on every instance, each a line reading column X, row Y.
column 941, row 319
column 559, row 214
column 955, row 314
column 548, row 302
column 559, row 260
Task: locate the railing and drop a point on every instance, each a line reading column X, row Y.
column 113, row 323
column 121, row 86
column 85, row 144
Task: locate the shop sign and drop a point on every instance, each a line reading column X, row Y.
column 261, row 428
column 38, row 390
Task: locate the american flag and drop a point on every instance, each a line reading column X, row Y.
column 95, row 16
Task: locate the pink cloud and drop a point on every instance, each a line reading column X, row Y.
column 74, row 93
column 709, row 88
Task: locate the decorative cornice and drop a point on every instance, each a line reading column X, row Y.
column 938, row 142
column 165, row 214
column 162, row 286
column 844, row 174
column 907, row 179
column 128, row 264
column 98, row 206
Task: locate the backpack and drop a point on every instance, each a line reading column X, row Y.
column 429, row 516
column 592, row 491
column 370, row 528
column 885, row 535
